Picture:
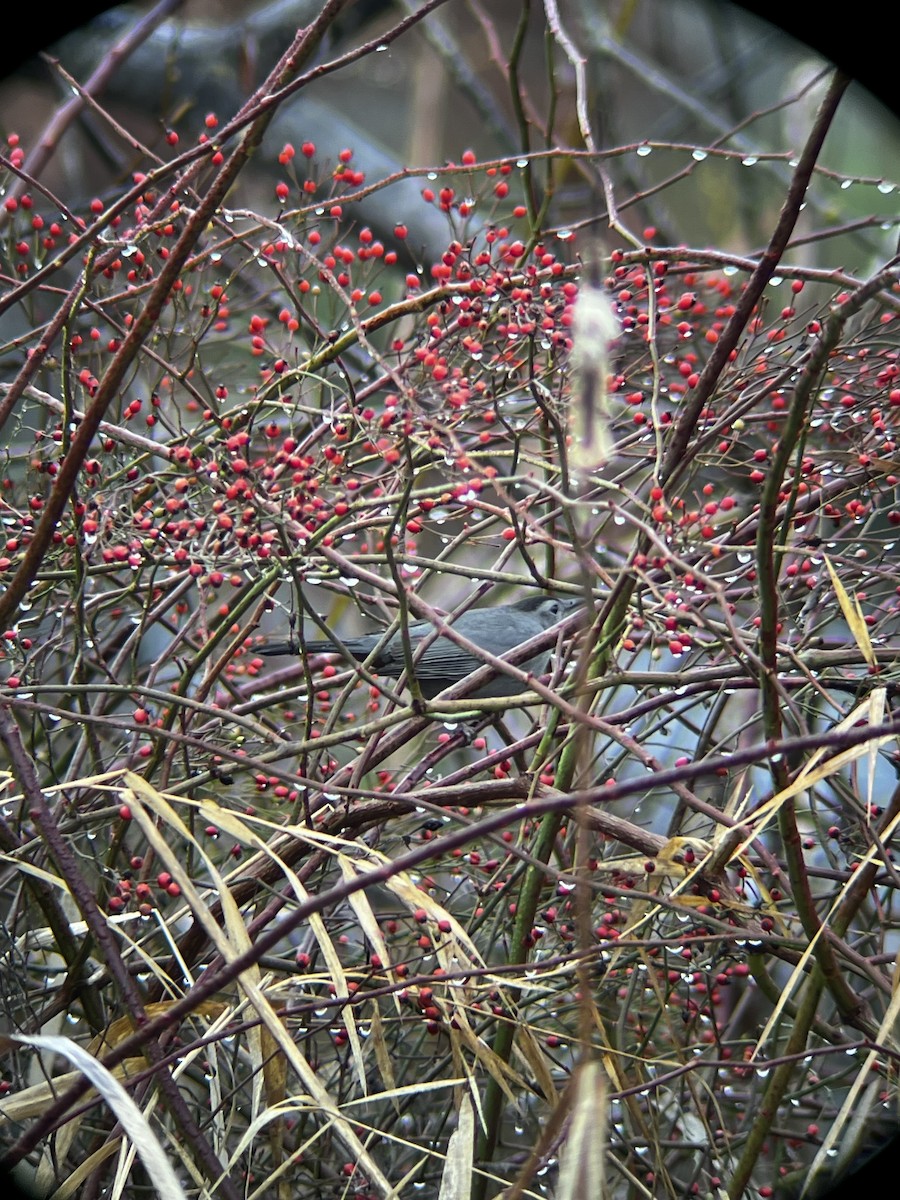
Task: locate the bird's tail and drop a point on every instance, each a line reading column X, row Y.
column 292, row 648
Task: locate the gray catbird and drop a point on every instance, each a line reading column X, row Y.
column 443, row 663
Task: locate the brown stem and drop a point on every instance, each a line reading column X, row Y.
column 67, row 864
column 676, row 455
column 303, row 45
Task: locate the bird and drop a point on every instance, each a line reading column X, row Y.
column 443, row 663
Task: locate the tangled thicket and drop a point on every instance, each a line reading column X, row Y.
column 338, row 941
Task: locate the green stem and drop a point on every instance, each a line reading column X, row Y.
column 526, row 910
column 767, row 1113
column 768, row 561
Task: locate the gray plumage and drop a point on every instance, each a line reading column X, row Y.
column 443, row 663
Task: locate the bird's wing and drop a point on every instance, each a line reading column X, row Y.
column 442, row 659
